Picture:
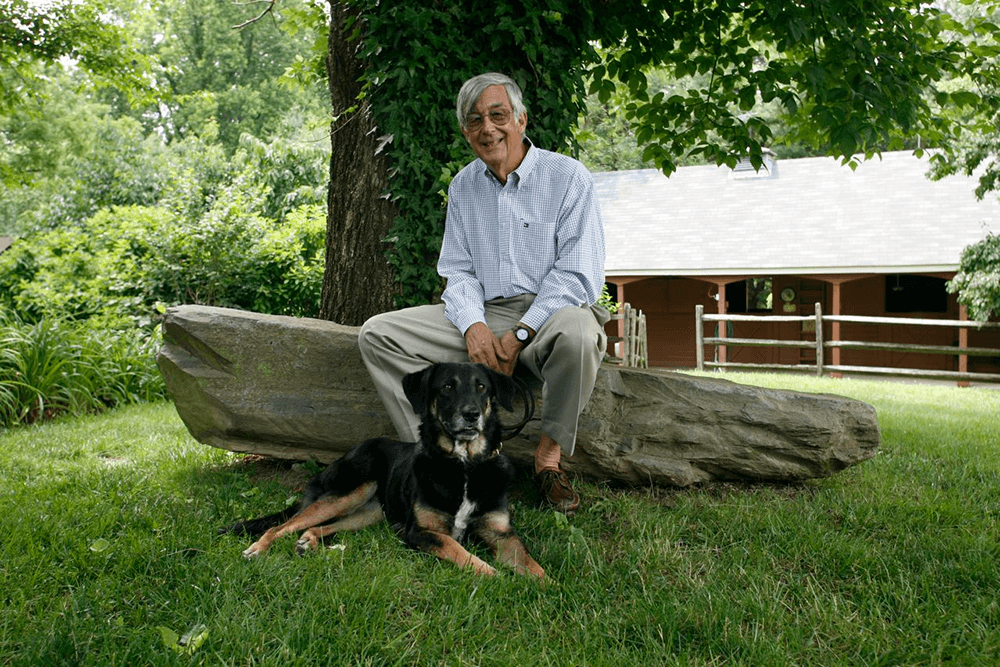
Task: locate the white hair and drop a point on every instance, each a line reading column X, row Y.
column 474, row 87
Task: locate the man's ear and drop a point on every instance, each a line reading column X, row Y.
column 416, row 388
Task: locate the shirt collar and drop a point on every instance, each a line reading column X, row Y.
column 523, row 170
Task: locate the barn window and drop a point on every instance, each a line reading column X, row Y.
column 915, row 294
column 753, row 295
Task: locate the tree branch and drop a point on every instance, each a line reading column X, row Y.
column 267, row 10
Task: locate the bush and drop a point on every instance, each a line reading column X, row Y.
column 55, row 367
column 978, row 279
column 117, row 266
column 92, row 271
column 234, row 258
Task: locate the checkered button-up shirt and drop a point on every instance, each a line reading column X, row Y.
column 540, row 233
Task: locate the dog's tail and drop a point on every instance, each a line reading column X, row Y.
column 255, row 527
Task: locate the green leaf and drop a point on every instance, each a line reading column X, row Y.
column 168, row 637
column 100, row 545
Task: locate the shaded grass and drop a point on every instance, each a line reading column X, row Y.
column 109, row 534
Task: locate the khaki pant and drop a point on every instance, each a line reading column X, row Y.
column 565, row 354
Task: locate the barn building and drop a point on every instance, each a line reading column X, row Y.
column 881, row 240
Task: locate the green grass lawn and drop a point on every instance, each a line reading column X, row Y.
column 109, row 554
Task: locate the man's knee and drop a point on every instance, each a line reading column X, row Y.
column 372, row 333
column 578, row 329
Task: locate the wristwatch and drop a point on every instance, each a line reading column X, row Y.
column 523, row 334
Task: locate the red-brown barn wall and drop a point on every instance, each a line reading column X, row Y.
column 669, row 305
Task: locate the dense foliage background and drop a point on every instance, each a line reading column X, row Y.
column 202, row 180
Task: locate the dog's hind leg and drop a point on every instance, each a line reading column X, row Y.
column 495, row 529
column 369, row 514
column 318, row 512
column 256, row 527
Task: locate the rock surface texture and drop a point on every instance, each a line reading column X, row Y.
column 297, row 388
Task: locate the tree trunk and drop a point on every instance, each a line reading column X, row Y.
column 358, row 281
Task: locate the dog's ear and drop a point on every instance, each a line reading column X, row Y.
column 505, row 390
column 416, row 387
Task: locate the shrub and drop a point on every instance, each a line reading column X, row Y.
column 120, row 263
column 89, row 271
column 54, row 367
column 237, row 259
column 978, row 280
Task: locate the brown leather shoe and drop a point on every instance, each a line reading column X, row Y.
column 558, row 491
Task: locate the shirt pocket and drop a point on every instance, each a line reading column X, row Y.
column 536, row 239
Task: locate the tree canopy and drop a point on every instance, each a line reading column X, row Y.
column 853, row 77
column 92, row 35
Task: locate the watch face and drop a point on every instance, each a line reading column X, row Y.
column 522, row 334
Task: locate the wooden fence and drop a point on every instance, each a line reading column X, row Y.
column 635, row 348
column 821, row 346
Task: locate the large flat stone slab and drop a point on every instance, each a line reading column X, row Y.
column 297, row 388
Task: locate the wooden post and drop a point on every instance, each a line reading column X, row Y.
column 643, row 341
column 699, row 337
column 629, row 338
column 722, row 350
column 963, row 342
column 835, row 329
column 621, row 322
column 819, row 339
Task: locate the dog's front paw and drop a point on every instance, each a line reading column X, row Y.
column 306, row 544
column 253, row 551
column 484, row 568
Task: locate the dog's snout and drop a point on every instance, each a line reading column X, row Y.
column 469, row 415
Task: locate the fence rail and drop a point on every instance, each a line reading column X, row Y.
column 635, row 346
column 820, row 345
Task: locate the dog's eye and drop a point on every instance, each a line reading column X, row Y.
column 480, row 387
column 448, row 387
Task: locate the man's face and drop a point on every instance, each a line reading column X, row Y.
column 498, row 144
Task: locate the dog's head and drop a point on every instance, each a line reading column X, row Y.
column 459, row 402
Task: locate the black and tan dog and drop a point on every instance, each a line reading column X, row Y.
column 449, row 486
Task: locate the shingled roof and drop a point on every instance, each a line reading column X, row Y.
column 809, row 216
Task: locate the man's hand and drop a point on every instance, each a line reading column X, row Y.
column 512, row 348
column 485, row 348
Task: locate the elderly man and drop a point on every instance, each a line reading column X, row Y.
column 523, row 256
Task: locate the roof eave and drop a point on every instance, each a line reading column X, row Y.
column 783, row 271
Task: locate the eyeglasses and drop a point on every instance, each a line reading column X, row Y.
column 498, row 117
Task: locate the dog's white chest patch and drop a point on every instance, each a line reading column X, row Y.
column 462, row 516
